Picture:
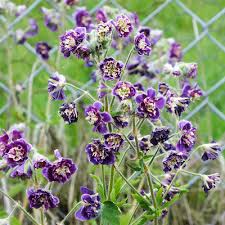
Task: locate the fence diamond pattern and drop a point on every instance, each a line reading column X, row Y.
column 205, row 25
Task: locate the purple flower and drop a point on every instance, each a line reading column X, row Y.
column 211, row 151
column 188, row 138
column 168, row 177
column 101, row 16
column 142, row 44
column 42, row 49
column 113, row 141
column 176, row 104
column 83, row 18
column 103, row 31
column 56, row 84
column 22, row 35
column 192, row 70
column 70, row 40
column 60, row 170
column 40, row 197
column 91, row 205
column 159, row 135
column 123, row 25
column 102, row 90
column 68, row 112
column 16, row 152
column 145, row 30
column 144, row 145
column 52, row 19
column 121, row 121
column 32, row 30
column 139, row 86
column 23, row 171
column 111, row 69
column 20, row 9
column 6, row 138
column 40, row 161
column 98, row 153
column 173, row 191
column 175, row 53
column 97, row 118
column 191, row 92
column 174, row 160
column 164, row 89
column 124, row 90
column 71, row 2
column 83, row 52
column 140, row 66
column 210, row 181
column 150, row 104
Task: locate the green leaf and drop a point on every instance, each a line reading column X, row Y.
column 116, row 188
column 134, row 165
column 142, row 202
column 110, row 214
column 17, row 188
column 14, row 221
column 100, row 188
column 159, row 196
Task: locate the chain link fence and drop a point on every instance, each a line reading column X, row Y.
column 205, row 32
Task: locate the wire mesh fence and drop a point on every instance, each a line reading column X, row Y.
column 197, row 20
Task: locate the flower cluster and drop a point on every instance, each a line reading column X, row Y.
column 136, row 122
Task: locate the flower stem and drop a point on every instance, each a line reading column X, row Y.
column 132, row 215
column 29, row 216
column 150, row 184
column 191, row 173
column 152, row 159
column 70, row 213
column 135, row 137
column 111, row 181
column 42, row 217
column 75, row 87
column 103, row 180
column 129, row 184
column 127, row 60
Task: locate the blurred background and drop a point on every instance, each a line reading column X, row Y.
column 198, row 25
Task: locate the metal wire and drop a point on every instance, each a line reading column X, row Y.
column 205, row 32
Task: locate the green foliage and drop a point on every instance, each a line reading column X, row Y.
column 110, row 213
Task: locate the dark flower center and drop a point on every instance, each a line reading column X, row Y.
column 62, row 170
column 16, row 153
column 98, row 152
column 92, row 117
column 149, row 105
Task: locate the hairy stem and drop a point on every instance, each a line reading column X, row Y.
column 29, row 216
column 70, row 213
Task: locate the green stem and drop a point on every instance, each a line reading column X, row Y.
column 29, row 216
column 150, row 184
column 129, row 142
column 127, row 60
column 75, row 87
column 42, row 217
column 103, row 180
column 135, row 137
column 132, row 215
column 152, row 159
column 70, row 213
column 111, row 181
column 129, row 184
column 191, row 173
